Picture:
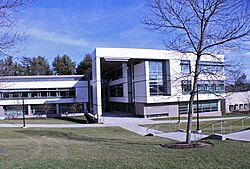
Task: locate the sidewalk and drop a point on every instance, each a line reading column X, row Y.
column 133, row 124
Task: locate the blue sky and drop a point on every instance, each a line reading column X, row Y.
column 76, row 27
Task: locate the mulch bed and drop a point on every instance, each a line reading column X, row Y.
column 186, row 146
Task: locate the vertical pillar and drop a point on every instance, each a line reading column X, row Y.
column 97, row 93
column 57, row 109
column 29, row 110
column 85, row 107
column 2, row 112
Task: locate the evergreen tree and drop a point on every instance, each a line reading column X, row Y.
column 8, row 66
column 40, row 66
column 63, row 65
column 18, row 69
column 85, row 66
column 26, row 63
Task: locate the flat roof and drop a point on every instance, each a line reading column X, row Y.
column 41, row 78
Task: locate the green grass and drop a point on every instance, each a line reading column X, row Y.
column 207, row 117
column 62, row 120
column 110, row 147
column 228, row 126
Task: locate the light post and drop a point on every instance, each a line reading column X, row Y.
column 24, row 126
column 179, row 116
column 197, row 109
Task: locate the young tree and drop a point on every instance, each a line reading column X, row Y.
column 40, row 66
column 85, row 66
column 63, row 65
column 200, row 27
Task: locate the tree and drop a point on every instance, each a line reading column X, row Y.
column 241, row 84
column 63, row 65
column 8, row 66
column 85, row 66
column 10, row 32
column 200, row 27
column 26, row 63
column 40, row 66
column 18, row 69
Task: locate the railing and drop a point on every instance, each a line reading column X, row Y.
column 231, row 127
column 153, row 129
column 212, row 125
column 222, row 127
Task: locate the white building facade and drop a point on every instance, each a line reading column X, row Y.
column 237, row 101
column 38, row 95
column 143, row 82
column 154, row 83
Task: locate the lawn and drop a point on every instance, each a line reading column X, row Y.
column 62, row 120
column 110, row 147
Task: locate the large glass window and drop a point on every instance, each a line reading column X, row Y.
column 159, row 83
column 203, row 106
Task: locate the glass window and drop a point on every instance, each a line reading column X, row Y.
column 186, row 86
column 116, row 73
column 159, row 84
column 203, row 106
column 116, row 90
column 185, row 66
column 211, row 67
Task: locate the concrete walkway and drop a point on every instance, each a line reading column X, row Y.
column 133, row 124
column 241, row 135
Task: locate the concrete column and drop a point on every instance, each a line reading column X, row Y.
column 2, row 111
column 29, row 110
column 57, row 109
column 85, row 107
column 97, row 90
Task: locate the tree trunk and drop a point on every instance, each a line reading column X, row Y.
column 191, row 100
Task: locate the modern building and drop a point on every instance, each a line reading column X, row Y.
column 144, row 82
column 37, row 95
column 154, row 83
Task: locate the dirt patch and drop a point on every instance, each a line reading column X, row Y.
column 187, row 146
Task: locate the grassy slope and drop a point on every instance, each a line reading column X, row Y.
column 110, row 147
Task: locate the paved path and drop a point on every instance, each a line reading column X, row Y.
column 133, row 124
column 241, row 135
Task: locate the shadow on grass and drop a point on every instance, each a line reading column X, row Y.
column 80, row 120
column 76, row 137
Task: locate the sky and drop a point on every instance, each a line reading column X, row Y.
column 77, row 27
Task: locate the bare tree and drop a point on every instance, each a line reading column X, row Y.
column 200, row 27
column 10, row 31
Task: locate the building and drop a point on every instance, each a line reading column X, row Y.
column 154, row 83
column 38, row 95
column 238, row 101
column 144, row 82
